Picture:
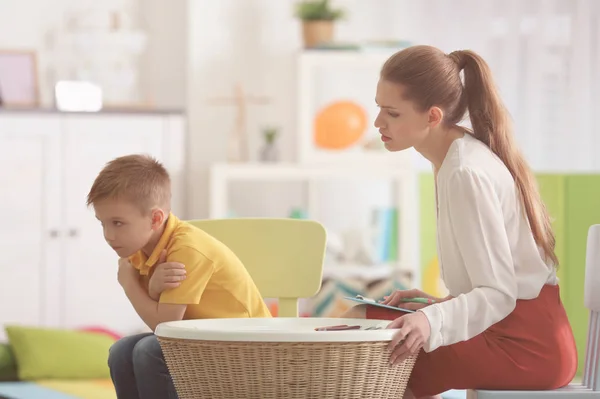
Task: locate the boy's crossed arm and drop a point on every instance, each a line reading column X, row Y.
column 167, row 275
column 171, row 304
column 149, row 310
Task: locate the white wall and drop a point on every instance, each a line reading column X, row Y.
column 255, row 42
column 25, row 24
column 163, row 66
column 198, row 49
column 38, row 25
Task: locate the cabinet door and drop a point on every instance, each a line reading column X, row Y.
column 30, row 229
column 92, row 295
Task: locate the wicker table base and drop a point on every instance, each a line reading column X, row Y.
column 284, row 370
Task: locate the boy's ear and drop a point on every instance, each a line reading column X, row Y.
column 158, row 217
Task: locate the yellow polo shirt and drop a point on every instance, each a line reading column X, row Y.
column 217, row 284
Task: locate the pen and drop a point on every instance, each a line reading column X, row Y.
column 427, row 301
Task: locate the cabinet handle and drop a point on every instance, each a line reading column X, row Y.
column 53, row 233
column 73, row 233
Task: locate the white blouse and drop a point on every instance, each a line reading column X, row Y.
column 487, row 255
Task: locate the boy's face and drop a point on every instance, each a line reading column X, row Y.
column 126, row 229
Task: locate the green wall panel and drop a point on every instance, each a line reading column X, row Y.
column 573, row 202
column 582, row 207
column 552, row 191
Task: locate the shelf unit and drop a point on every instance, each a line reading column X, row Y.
column 322, row 76
column 309, row 64
column 404, row 180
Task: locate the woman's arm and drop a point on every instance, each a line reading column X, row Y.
column 478, row 228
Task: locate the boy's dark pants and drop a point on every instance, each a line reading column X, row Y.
column 138, row 369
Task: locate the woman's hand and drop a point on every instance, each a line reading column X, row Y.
column 414, row 331
column 398, row 298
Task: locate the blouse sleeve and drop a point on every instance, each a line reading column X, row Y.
column 478, row 227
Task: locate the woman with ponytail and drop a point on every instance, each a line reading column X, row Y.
column 503, row 326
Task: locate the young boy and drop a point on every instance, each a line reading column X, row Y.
column 202, row 278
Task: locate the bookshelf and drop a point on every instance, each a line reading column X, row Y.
column 405, row 191
column 322, row 77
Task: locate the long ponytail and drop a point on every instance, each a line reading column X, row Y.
column 430, row 77
column 491, row 125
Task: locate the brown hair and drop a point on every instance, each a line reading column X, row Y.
column 140, row 179
column 430, row 78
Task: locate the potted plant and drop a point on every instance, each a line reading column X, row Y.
column 269, row 152
column 318, row 19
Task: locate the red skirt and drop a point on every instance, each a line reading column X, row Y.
column 533, row 348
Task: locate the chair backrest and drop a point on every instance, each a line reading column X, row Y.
column 591, row 377
column 283, row 256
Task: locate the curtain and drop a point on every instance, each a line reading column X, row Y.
column 545, row 56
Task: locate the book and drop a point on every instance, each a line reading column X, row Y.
column 372, row 302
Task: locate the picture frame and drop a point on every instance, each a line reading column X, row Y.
column 19, row 86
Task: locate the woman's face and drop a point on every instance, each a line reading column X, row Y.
column 401, row 125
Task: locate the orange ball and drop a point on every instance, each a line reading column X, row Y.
column 339, row 125
column 274, row 308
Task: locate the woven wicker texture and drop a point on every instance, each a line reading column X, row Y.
column 282, row 370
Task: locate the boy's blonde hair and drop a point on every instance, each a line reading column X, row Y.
column 137, row 178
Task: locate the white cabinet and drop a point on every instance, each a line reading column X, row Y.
column 89, row 143
column 29, row 232
column 56, row 268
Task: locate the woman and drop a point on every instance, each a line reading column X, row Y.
column 503, row 325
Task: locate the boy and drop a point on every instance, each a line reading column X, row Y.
column 202, row 279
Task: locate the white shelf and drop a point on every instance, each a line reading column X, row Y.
column 313, row 166
column 347, row 58
column 371, row 272
column 404, row 179
column 292, row 171
column 310, row 65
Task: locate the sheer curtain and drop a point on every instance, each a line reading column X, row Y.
column 545, row 55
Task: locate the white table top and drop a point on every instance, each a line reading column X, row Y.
column 276, row 329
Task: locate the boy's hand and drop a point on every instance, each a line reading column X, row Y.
column 127, row 273
column 166, row 275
